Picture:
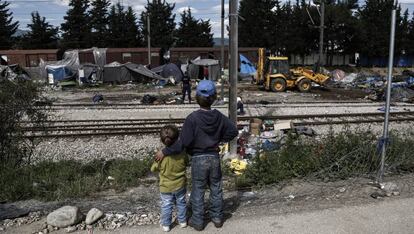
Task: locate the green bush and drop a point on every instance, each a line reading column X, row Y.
column 331, row 157
column 19, row 101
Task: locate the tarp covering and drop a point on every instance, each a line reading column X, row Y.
column 246, row 67
column 91, row 72
column 13, row 72
column 57, row 73
column 205, row 62
column 196, row 65
column 121, row 73
column 71, row 61
column 142, row 70
column 158, row 69
column 171, row 70
column 337, row 75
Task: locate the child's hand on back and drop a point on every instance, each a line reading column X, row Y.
column 159, row 156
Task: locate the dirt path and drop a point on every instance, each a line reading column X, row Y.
column 345, row 205
column 394, row 216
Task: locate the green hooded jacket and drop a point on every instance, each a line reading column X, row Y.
column 172, row 171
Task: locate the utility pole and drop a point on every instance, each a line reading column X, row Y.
column 384, row 140
column 233, row 69
column 222, row 50
column 321, row 31
column 149, row 38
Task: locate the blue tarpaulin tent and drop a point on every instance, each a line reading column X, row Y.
column 246, row 67
column 58, row 73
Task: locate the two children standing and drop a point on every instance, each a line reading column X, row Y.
column 201, row 134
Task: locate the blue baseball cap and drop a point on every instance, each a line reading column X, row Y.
column 206, row 88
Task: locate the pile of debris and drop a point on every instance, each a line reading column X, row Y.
column 13, row 72
column 260, row 137
column 375, row 85
column 171, row 98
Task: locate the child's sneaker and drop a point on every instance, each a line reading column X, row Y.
column 166, row 228
column 183, row 225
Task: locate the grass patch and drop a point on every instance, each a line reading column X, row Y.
column 68, row 179
column 331, row 157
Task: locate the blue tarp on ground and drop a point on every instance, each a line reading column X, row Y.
column 246, row 67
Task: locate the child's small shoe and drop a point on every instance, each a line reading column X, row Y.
column 166, row 228
column 183, row 225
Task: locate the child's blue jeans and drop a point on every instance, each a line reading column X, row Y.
column 167, row 206
column 206, row 171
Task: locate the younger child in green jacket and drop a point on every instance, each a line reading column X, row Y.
column 172, row 181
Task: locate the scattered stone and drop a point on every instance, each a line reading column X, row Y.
column 45, row 231
column 342, row 190
column 65, row 216
column 71, row 229
column 389, row 187
column 396, row 193
column 377, row 195
column 50, row 228
column 93, row 215
column 291, row 196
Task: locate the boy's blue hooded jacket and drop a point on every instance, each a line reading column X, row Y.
column 202, row 132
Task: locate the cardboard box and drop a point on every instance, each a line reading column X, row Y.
column 255, row 128
column 283, row 125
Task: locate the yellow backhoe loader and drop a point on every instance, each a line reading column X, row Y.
column 274, row 74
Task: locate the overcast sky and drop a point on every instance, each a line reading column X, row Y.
column 54, row 10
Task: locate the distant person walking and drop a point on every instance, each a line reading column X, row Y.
column 186, row 87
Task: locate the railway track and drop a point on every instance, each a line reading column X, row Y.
column 114, row 127
column 129, row 106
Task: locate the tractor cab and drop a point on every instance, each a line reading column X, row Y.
column 277, row 65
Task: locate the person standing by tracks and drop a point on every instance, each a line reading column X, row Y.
column 186, row 87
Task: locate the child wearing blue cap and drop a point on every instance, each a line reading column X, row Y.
column 202, row 132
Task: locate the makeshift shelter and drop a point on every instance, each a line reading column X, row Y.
column 196, row 66
column 122, row 73
column 172, row 71
column 89, row 73
column 246, row 67
column 58, row 73
column 13, row 72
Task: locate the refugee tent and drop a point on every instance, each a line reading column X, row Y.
column 172, row 71
column 246, row 67
column 89, row 73
column 122, row 73
column 158, row 69
column 58, row 73
column 13, row 72
column 195, row 68
column 62, row 70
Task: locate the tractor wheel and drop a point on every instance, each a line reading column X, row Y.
column 304, row 85
column 278, row 85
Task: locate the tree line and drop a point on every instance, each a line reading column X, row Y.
column 97, row 23
column 288, row 27
column 293, row 27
